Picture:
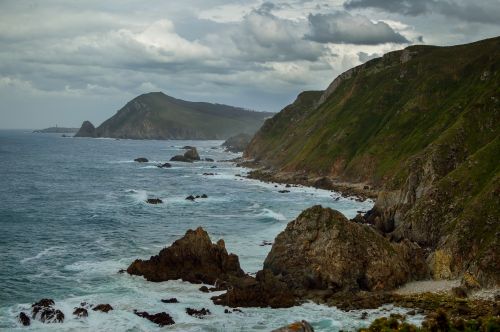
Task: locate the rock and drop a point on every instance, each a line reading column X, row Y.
column 154, row 201
column 171, row 300
column 86, row 130
column 44, row 311
column 283, row 191
column 24, row 319
column 204, row 196
column 266, row 243
column 364, row 315
column 164, row 165
column 323, row 183
column 322, row 250
column 193, row 258
column 470, row 282
column 288, row 185
column 192, row 154
column 198, row 313
column 460, row 292
column 206, row 174
column 227, row 311
column 190, row 198
column 103, row 308
column 209, row 159
column 265, row 290
column 213, row 166
column 237, row 143
column 181, row 158
column 301, row 326
column 80, row 312
column 204, row 289
column 141, row 160
column 161, row 318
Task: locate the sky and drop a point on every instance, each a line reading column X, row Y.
column 63, row 62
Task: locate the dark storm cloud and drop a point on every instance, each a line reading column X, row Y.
column 342, row 27
column 485, row 11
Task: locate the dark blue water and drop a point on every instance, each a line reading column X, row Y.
column 73, row 212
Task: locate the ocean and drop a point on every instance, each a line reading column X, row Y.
column 73, row 213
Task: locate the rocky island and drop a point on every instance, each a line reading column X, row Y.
column 158, row 116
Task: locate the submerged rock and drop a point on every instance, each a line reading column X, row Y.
column 171, row 300
column 80, row 312
column 103, row 308
column 154, row 201
column 322, row 250
column 190, row 198
column 24, row 319
column 198, row 313
column 301, row 326
column 193, row 258
column 164, row 165
column 161, row 318
column 141, row 160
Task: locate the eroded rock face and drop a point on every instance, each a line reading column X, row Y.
column 86, row 130
column 193, row 258
column 322, row 250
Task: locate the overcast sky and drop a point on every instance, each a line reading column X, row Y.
column 63, row 62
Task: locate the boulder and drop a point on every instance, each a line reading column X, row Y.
column 323, row 250
column 141, row 160
column 164, row 165
column 265, row 290
column 181, row 158
column 193, row 258
column 44, row 311
column 192, row 154
column 80, row 312
column 161, row 318
column 103, row 308
column 301, row 326
column 204, row 289
column 154, row 201
column 198, row 313
column 24, row 319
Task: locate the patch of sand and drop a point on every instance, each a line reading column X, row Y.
column 426, row 286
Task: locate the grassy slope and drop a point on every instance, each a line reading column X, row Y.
column 427, row 129
column 156, row 115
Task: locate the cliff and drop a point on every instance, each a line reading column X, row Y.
column 422, row 125
column 158, row 116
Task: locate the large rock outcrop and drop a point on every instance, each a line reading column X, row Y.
column 323, row 250
column 192, row 258
column 86, row 130
column 237, row 143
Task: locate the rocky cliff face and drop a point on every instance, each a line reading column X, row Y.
column 420, row 124
column 158, row 116
column 86, row 130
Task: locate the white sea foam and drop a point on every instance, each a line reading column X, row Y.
column 44, row 253
column 268, row 213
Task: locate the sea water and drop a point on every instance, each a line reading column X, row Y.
column 73, row 213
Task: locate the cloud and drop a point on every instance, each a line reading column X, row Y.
column 342, row 27
column 484, row 11
column 364, row 57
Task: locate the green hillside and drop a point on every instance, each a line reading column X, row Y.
column 423, row 125
column 158, row 116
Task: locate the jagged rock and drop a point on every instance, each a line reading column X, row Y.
column 141, row 160
column 44, row 311
column 192, row 258
column 192, row 154
column 103, row 308
column 164, row 165
column 190, row 198
column 24, row 319
column 301, row 326
column 154, row 201
column 80, row 312
column 171, row 300
column 198, row 313
column 265, row 290
column 86, row 130
column 322, row 250
column 161, row 318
